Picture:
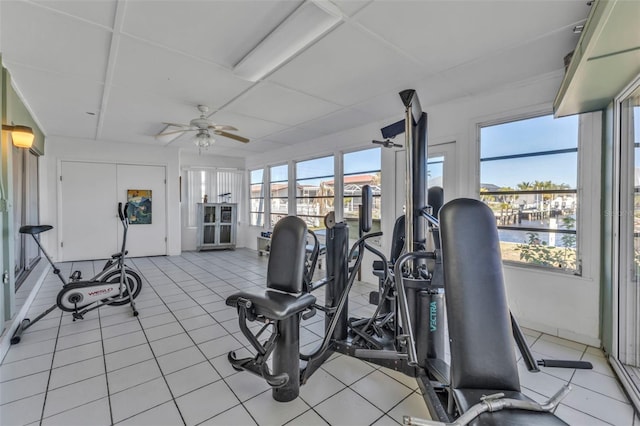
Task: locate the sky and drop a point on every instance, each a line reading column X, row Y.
column 527, row 136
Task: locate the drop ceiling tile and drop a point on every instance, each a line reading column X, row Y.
column 101, row 12
column 271, row 102
column 161, row 72
column 60, row 103
column 221, row 31
column 384, row 106
column 249, row 127
column 541, row 56
column 44, row 39
column 294, row 135
column 134, row 115
column 442, row 34
column 346, row 67
column 351, row 7
column 339, row 120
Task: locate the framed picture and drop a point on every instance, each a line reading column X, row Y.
column 139, row 206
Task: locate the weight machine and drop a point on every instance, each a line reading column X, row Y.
column 406, row 333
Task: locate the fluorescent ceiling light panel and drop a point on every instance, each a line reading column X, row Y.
column 305, row 25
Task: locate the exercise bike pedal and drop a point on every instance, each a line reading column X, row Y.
column 76, row 276
column 77, row 315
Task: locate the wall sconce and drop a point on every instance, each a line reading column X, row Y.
column 22, row 136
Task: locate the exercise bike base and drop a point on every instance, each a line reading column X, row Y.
column 18, row 334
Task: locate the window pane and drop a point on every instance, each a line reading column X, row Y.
column 359, row 161
column 279, row 183
column 256, row 197
column 530, row 135
column 280, row 173
column 361, row 168
column 318, row 167
column 256, row 176
column 532, row 188
column 314, row 190
column 559, row 170
column 435, row 171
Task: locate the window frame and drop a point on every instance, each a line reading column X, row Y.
column 259, row 213
column 576, row 192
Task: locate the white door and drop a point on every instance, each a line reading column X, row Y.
column 87, row 228
column 144, row 239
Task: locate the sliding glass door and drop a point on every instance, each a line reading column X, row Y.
column 627, row 357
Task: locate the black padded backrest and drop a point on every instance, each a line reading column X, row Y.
column 366, row 214
column 482, row 348
column 286, row 257
column 397, row 239
column 435, row 198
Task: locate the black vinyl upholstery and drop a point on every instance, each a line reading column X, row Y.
column 274, row 304
column 435, row 198
column 397, row 239
column 34, row 229
column 482, row 350
column 283, row 296
column 287, row 255
column 477, row 312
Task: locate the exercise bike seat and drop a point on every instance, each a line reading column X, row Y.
column 34, row 229
column 466, row 398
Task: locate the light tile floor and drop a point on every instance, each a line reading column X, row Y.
column 169, row 365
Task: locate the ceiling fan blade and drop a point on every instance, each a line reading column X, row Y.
column 176, row 131
column 176, row 125
column 170, row 133
column 223, row 127
column 231, row 136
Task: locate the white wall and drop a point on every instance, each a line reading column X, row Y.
column 58, row 149
column 557, row 303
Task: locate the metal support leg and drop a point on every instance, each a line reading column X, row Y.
column 286, row 358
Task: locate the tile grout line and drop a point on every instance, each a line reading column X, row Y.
column 104, row 361
column 207, row 359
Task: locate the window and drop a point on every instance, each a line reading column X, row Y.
column 361, row 168
column 279, row 192
column 435, row 171
column 256, row 197
column 528, row 176
column 25, row 210
column 216, row 186
column 314, row 190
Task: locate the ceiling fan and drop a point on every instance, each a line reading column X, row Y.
column 388, row 143
column 203, row 128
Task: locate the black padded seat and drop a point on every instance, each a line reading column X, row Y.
column 466, row 398
column 483, row 359
column 273, row 304
column 34, row 229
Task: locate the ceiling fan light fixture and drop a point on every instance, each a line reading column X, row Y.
column 203, row 140
column 305, row 25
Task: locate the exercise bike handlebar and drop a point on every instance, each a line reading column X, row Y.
column 122, row 213
column 492, row 403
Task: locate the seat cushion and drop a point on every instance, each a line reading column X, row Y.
column 466, row 398
column 274, row 304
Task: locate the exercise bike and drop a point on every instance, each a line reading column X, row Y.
column 115, row 285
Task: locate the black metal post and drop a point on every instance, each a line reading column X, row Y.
column 286, row 358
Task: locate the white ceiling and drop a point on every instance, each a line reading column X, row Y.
column 115, row 70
